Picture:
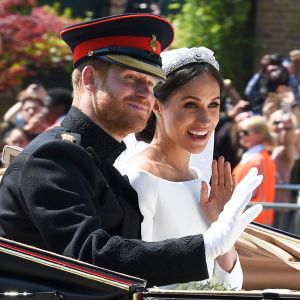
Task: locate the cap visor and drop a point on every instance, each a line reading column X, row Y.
column 134, row 64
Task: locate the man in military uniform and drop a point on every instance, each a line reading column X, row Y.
column 62, row 192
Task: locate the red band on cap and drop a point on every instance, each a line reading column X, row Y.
column 82, row 49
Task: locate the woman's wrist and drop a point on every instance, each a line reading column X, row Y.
column 228, row 260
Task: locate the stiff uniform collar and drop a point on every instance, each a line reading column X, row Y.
column 106, row 147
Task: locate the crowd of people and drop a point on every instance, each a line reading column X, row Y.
column 72, row 200
column 262, row 130
column 36, row 109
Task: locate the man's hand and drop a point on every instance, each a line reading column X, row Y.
column 222, row 234
column 36, row 124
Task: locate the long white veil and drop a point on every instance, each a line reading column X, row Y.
column 201, row 161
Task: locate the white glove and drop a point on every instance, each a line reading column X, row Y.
column 223, row 233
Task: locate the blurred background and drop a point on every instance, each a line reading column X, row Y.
column 239, row 32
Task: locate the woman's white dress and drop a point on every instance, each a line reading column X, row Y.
column 171, row 210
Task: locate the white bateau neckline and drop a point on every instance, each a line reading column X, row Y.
column 199, row 176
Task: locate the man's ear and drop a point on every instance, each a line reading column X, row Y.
column 89, row 78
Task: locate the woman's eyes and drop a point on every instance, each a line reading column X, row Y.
column 195, row 105
column 191, row 105
column 214, row 105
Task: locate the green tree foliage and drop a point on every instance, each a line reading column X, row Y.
column 221, row 25
column 30, row 45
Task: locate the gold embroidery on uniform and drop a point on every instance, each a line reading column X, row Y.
column 68, row 137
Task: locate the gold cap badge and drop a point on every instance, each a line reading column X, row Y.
column 90, row 53
column 153, row 42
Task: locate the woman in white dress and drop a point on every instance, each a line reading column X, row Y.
column 185, row 115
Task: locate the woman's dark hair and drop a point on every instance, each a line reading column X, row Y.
column 175, row 80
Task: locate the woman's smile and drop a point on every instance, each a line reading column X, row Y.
column 198, row 134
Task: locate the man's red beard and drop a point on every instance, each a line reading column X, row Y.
column 117, row 117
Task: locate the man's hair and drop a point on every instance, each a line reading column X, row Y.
column 101, row 66
column 33, row 98
column 59, row 98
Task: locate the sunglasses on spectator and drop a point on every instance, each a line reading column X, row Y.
column 244, row 132
column 285, row 127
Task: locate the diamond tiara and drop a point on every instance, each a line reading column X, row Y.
column 174, row 59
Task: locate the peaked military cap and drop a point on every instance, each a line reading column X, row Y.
column 132, row 41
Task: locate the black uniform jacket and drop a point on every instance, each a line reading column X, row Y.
column 63, row 194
